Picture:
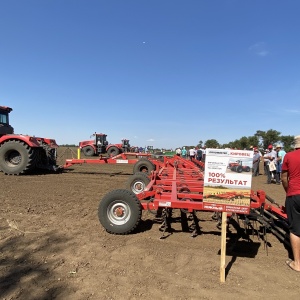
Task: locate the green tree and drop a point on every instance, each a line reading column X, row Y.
column 200, row 144
column 212, row 143
column 268, row 137
column 288, row 142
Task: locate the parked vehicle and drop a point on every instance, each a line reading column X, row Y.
column 99, row 145
column 21, row 153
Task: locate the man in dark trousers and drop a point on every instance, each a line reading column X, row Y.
column 291, row 183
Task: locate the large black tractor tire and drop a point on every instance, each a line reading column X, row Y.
column 239, row 169
column 143, row 165
column 137, row 182
column 88, row 151
column 247, row 169
column 16, row 158
column 120, row 212
column 113, row 151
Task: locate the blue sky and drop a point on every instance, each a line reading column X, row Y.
column 165, row 73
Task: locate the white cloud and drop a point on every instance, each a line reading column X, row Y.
column 150, row 140
column 259, row 49
column 293, row 111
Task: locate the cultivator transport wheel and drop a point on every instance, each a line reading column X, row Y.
column 143, row 165
column 16, row 157
column 120, row 211
column 88, row 151
column 137, row 182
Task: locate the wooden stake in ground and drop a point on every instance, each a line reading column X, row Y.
column 223, row 246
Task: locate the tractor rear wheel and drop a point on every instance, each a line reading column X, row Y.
column 113, row 151
column 143, row 165
column 120, row 212
column 88, row 151
column 137, row 182
column 16, row 158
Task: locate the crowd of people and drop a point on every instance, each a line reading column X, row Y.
column 272, row 159
column 194, row 152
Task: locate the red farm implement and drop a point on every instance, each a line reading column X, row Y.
column 176, row 184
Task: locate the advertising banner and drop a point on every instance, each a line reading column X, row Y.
column 227, row 180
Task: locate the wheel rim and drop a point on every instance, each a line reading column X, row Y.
column 13, row 158
column 118, row 212
column 138, row 186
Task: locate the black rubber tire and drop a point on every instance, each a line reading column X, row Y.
column 143, row 165
column 239, row 169
column 88, row 151
column 247, row 169
column 113, row 151
column 137, row 182
column 127, row 205
column 16, row 158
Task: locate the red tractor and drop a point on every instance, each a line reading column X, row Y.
column 20, row 153
column 99, row 145
column 237, row 166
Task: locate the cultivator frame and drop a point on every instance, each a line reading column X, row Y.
column 177, row 183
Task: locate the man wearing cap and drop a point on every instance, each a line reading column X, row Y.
column 291, row 184
column 279, row 160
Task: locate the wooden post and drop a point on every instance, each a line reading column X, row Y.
column 223, row 246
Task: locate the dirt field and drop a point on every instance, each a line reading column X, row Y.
column 53, row 247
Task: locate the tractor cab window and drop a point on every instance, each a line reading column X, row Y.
column 3, row 117
column 101, row 139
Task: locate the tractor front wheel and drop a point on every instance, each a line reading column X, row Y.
column 120, row 212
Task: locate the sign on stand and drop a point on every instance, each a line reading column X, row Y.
column 227, row 187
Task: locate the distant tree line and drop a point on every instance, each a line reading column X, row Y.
column 68, row 145
column 261, row 139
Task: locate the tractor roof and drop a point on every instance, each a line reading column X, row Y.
column 6, row 108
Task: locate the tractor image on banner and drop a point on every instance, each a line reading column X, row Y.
column 227, row 180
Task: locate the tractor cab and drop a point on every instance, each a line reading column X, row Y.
column 101, row 142
column 125, row 145
column 5, row 128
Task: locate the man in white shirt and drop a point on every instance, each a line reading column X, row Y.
column 192, row 153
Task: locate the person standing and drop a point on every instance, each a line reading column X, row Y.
column 198, row 154
column 178, row 151
column 291, row 183
column 183, row 152
column 280, row 156
column 266, row 161
column 272, row 160
column 256, row 161
column 203, row 153
column 192, row 153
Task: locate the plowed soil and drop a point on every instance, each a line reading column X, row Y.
column 52, row 246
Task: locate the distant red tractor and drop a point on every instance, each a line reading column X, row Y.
column 99, row 145
column 20, row 154
column 237, row 166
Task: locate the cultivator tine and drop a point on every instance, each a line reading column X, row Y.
column 195, row 225
column 184, row 221
column 166, row 224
